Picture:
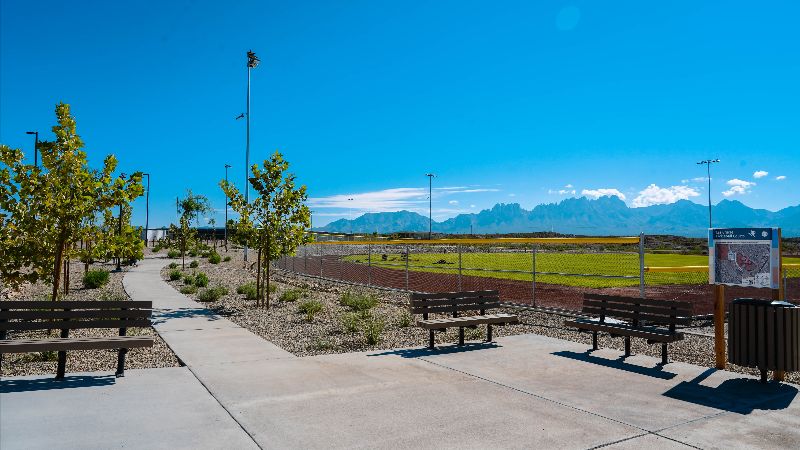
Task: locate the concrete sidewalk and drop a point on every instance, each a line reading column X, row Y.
column 524, row 391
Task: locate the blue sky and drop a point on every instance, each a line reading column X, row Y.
column 527, row 102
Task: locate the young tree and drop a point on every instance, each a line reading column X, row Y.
column 190, row 208
column 275, row 221
column 43, row 210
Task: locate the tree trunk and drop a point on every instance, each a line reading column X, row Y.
column 57, row 269
column 267, row 264
column 183, row 253
column 259, row 291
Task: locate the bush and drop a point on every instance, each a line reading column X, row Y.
column 373, row 328
column 201, row 280
column 188, row 290
column 292, row 295
column 350, row 322
column 310, row 308
column 188, row 279
column 172, row 254
column 214, row 258
column 193, row 253
column 248, row 290
column 358, row 301
column 405, row 320
column 212, row 294
column 175, row 275
column 227, row 258
column 173, row 265
column 95, row 278
column 194, row 264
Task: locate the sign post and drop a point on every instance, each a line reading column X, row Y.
column 748, row 257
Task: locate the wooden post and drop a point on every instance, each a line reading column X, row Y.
column 719, row 326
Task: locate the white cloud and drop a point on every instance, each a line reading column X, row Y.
column 654, row 195
column 561, row 191
column 512, row 195
column 602, row 192
column 453, row 202
column 760, row 174
column 700, row 179
column 413, row 199
column 471, row 206
column 568, row 186
column 684, row 181
column 737, row 186
column 780, row 177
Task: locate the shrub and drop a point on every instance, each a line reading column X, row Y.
column 193, row 253
column 322, row 344
column 227, row 258
column 95, row 278
column 292, row 295
column 310, row 308
column 214, row 258
column 405, row 320
column 248, row 290
column 212, row 294
column 350, row 322
column 201, row 280
column 175, row 275
column 172, row 254
column 358, row 301
column 188, row 279
column 194, row 264
column 373, row 328
column 188, row 290
column 173, row 265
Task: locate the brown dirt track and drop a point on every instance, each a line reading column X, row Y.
column 548, row 295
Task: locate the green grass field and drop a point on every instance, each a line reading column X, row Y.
column 519, row 265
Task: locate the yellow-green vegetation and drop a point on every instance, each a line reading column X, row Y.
column 550, row 267
column 292, row 295
column 310, row 308
column 94, row 279
column 358, row 301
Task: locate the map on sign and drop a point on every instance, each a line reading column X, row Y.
column 744, row 257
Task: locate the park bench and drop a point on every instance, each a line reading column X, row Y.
column 454, row 303
column 654, row 320
column 72, row 315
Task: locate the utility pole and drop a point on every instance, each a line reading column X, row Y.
column 147, row 209
column 708, row 163
column 252, row 63
column 227, row 166
column 35, row 147
column 430, row 204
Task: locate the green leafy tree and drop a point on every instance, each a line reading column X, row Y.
column 275, row 222
column 190, row 208
column 44, row 210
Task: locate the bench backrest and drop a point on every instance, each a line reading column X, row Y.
column 70, row 315
column 453, row 302
column 638, row 310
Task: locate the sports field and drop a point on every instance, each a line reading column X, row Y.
column 555, row 268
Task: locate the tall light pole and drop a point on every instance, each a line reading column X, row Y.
column 227, row 166
column 35, row 147
column 147, row 209
column 708, row 163
column 350, row 214
column 252, row 63
column 430, row 204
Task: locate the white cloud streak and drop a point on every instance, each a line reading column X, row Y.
column 760, row 174
column 602, row 192
column 780, row 177
column 738, row 187
column 654, row 195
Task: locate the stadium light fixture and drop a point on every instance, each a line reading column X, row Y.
column 252, row 63
column 707, row 163
column 430, row 204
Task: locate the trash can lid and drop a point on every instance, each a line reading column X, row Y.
column 763, row 302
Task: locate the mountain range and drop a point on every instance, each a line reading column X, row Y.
column 604, row 216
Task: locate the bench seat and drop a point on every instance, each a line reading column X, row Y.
column 652, row 334
column 467, row 321
column 65, row 344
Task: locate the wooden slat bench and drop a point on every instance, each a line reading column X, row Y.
column 654, row 320
column 72, row 315
column 455, row 303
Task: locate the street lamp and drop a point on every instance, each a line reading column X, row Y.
column 35, row 147
column 708, row 163
column 147, row 209
column 350, row 213
column 430, row 204
column 252, row 63
column 227, row 166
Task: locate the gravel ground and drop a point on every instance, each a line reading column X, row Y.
column 285, row 326
column 90, row 360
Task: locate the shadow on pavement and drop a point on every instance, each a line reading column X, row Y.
column 47, row 384
column 160, row 317
column 740, row 395
column 620, row 364
column 421, row 352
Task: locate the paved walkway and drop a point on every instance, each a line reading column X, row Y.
column 522, row 392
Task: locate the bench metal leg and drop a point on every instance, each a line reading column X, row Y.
column 627, row 346
column 489, row 333
column 62, row 365
column 431, row 344
column 121, row 362
column 594, row 340
column 664, row 359
column 460, row 335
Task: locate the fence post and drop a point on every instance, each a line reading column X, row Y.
column 459, row 268
column 533, row 276
column 341, row 262
column 406, row 267
column 369, row 264
column 641, row 265
column 321, row 258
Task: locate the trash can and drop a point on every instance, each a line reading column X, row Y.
column 764, row 334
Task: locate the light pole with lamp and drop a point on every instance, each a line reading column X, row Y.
column 350, row 214
column 252, row 63
column 430, row 204
column 147, row 209
column 35, row 147
column 227, row 166
column 708, row 163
